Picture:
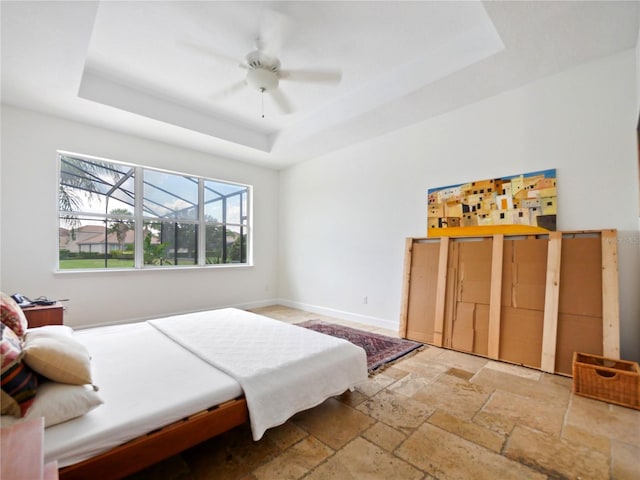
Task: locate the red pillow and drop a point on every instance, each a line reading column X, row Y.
column 12, row 315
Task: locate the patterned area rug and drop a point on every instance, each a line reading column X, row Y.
column 380, row 349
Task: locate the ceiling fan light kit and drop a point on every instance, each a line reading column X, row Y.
column 262, row 79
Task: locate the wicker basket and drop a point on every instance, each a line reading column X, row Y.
column 606, row 379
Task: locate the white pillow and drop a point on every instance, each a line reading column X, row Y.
column 64, row 330
column 57, row 403
column 57, row 356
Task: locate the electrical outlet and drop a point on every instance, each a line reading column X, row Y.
column 365, row 300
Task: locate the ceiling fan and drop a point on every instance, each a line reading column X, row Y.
column 264, row 72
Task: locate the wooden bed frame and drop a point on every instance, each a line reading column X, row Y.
column 159, row 444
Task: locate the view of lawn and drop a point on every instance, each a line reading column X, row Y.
column 98, row 263
column 94, row 263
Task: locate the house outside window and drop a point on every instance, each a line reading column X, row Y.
column 117, row 215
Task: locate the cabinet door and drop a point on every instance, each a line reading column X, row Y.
column 580, row 308
column 466, row 320
column 524, row 278
column 422, row 291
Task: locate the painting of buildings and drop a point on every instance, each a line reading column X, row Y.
column 519, row 203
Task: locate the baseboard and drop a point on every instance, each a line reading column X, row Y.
column 241, row 306
column 255, row 304
column 330, row 312
column 341, row 314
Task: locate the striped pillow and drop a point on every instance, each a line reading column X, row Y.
column 19, row 382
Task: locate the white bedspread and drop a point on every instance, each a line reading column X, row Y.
column 282, row 368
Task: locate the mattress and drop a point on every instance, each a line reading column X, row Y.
column 146, row 381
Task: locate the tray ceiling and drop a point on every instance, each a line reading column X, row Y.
column 154, row 69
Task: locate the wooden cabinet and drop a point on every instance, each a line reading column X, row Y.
column 22, row 452
column 531, row 300
column 40, row 315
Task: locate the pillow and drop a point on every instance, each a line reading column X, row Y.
column 63, row 330
column 59, row 402
column 58, row 357
column 12, row 315
column 19, row 383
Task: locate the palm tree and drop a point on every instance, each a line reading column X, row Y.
column 81, row 175
column 120, row 227
column 68, row 201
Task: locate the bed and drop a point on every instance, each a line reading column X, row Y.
column 170, row 383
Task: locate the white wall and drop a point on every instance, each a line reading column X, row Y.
column 29, row 226
column 638, row 69
column 344, row 216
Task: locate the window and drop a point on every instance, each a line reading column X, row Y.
column 114, row 215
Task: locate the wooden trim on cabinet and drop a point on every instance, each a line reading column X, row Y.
column 610, row 298
column 551, row 300
column 441, row 288
column 406, row 280
column 495, row 298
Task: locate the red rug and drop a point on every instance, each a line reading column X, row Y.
column 380, row 349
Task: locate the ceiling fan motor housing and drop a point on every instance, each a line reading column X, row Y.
column 258, row 59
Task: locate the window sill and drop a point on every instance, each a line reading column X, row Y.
column 153, row 269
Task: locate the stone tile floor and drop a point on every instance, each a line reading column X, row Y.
column 438, row 414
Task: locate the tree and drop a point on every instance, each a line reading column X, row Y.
column 120, row 227
column 154, row 252
column 76, row 176
column 238, row 249
column 213, row 243
column 68, row 201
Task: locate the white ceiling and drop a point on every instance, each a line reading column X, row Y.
column 144, row 67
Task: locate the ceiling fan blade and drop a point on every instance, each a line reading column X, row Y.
column 229, row 90
column 311, row 76
column 281, row 101
column 209, row 52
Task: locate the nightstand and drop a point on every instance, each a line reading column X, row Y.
column 40, row 315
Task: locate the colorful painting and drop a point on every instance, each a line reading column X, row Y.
column 517, row 204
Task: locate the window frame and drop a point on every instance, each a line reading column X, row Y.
column 140, row 219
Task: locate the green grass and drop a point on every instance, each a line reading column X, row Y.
column 86, row 263
column 98, row 263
